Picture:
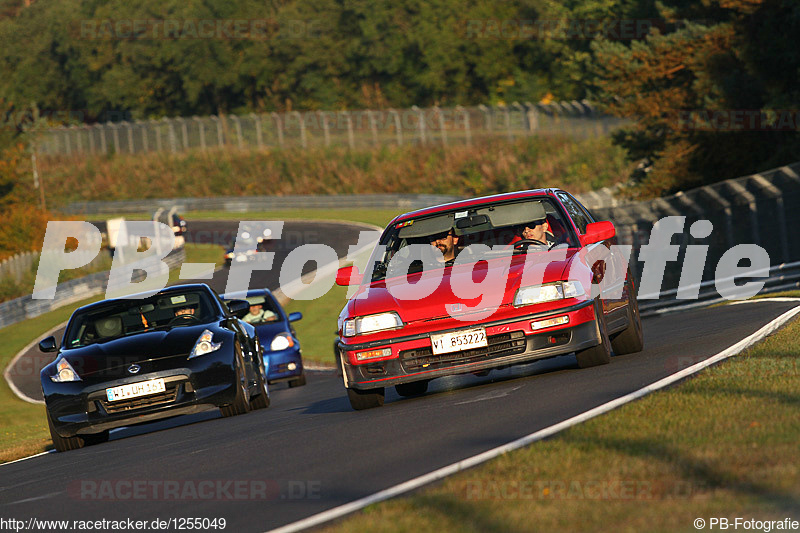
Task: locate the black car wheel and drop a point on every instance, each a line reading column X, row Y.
column 299, row 382
column 600, row 354
column 365, row 399
column 262, row 400
column 415, row 388
column 630, row 339
column 241, row 403
column 63, row 444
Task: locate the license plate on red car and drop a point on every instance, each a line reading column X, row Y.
column 458, row 341
column 143, row 388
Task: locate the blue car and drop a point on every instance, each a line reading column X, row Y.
column 283, row 359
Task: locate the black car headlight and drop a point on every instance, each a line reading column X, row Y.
column 204, row 345
column 65, row 373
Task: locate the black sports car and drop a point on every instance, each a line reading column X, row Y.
column 139, row 359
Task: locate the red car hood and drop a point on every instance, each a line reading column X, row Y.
column 388, row 295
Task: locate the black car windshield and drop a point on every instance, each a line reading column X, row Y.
column 118, row 318
column 515, row 227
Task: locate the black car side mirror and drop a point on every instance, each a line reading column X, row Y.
column 239, row 308
column 48, row 345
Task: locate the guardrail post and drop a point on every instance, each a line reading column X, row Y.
column 465, row 118
column 129, row 126
column 726, row 206
column 173, row 141
column 421, row 120
column 184, row 132
column 259, row 135
column 442, row 129
column 114, row 135
column 220, row 138
column 488, row 123
column 279, row 125
column 523, row 116
column 239, row 137
column 90, row 135
column 507, row 115
column 103, row 144
column 751, row 203
column 781, row 211
column 302, row 122
column 159, row 144
column 350, row 137
column 373, row 126
column 67, row 147
column 145, row 144
column 398, row 126
column 325, row 130
column 79, row 138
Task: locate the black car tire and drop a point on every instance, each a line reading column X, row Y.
column 262, row 400
column 365, row 399
column 600, row 354
column 241, row 403
column 415, row 388
column 63, row 444
column 630, row 339
column 299, row 382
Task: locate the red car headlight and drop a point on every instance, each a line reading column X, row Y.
column 371, row 324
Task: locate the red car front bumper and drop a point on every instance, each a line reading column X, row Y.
column 510, row 341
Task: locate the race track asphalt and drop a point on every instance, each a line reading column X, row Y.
column 309, row 451
column 313, row 452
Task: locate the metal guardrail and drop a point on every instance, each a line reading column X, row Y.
column 354, row 129
column 26, row 307
column 240, row 204
column 782, row 277
column 237, row 204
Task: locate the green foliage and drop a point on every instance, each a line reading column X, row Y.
column 91, row 57
column 673, row 82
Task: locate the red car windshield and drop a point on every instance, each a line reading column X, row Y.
column 482, row 232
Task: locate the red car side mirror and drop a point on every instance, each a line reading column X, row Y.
column 349, row 275
column 598, row 232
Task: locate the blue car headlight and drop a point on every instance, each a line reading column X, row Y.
column 281, row 342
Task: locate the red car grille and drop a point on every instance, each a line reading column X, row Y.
column 498, row 346
column 168, row 396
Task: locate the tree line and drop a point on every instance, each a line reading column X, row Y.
column 712, row 85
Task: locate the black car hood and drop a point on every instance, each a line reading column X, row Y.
column 152, row 351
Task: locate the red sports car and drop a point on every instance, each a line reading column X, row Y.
column 483, row 284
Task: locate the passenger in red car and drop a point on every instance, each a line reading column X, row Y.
column 446, row 242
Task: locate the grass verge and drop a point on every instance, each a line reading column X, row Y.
column 723, row 444
column 24, row 427
column 486, row 167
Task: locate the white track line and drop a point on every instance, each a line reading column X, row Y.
column 413, row 484
column 21, row 395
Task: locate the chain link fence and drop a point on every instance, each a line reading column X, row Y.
column 353, row 129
